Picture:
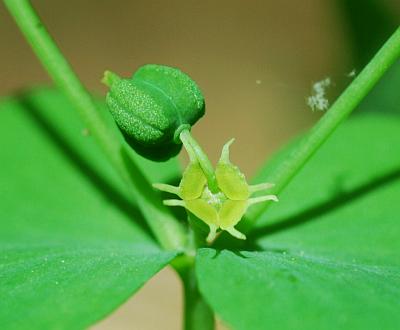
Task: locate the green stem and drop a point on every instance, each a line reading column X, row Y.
column 197, row 314
column 339, row 111
column 167, row 230
column 193, row 148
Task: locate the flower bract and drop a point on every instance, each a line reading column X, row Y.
column 220, row 210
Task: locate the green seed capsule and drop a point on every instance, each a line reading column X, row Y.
column 153, row 107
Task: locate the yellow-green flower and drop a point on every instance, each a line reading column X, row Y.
column 222, row 209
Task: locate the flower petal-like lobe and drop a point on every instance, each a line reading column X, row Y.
column 230, row 179
column 203, row 211
column 222, row 209
column 231, row 213
column 193, row 182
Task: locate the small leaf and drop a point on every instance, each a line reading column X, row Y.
column 70, row 251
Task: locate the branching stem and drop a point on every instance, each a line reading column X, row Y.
column 344, row 105
column 166, row 229
column 197, row 314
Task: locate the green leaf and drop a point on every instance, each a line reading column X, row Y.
column 70, row 285
column 275, row 290
column 70, row 252
column 331, row 245
column 345, row 200
column 382, row 98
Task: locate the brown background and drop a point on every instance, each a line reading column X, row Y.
column 254, row 60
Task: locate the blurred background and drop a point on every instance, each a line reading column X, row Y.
column 255, row 61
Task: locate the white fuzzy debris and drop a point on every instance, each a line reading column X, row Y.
column 318, row 100
column 258, row 82
column 352, row 73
